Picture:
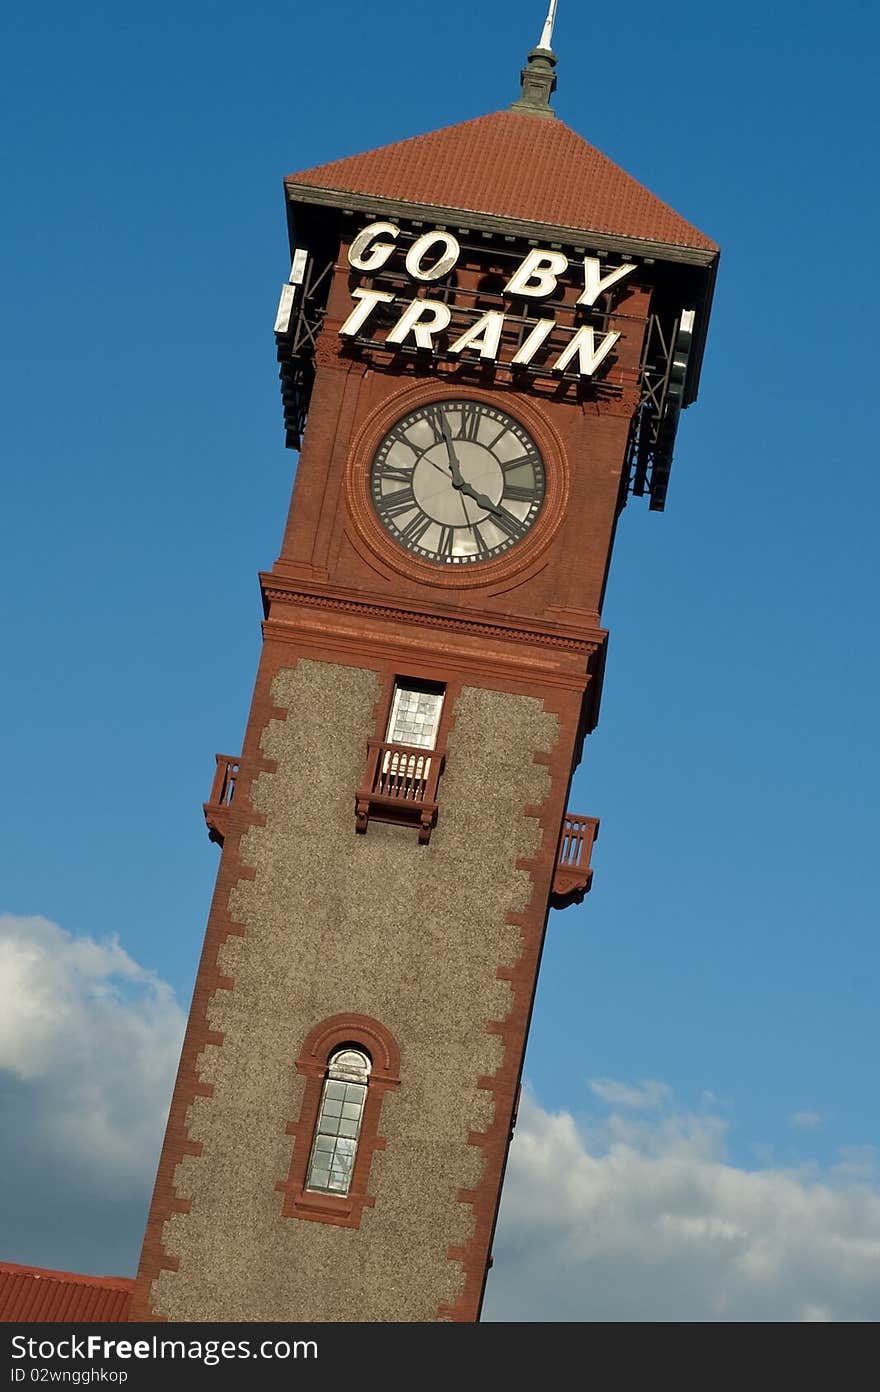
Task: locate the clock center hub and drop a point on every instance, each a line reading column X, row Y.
column 449, row 500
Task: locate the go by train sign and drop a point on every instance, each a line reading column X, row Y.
column 422, row 321
column 418, row 321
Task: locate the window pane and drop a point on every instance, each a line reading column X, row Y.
column 339, row 1122
column 415, row 716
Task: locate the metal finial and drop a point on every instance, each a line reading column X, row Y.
column 546, row 39
column 538, row 76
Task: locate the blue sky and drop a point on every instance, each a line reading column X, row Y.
column 728, row 952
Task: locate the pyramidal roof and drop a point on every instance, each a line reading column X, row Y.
column 511, row 164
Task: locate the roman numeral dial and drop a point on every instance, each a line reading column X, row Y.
column 457, row 482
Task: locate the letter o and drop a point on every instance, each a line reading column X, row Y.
column 421, row 248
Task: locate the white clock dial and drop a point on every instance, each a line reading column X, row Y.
column 457, row 482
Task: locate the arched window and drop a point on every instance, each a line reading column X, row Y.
column 349, row 1062
column 338, row 1129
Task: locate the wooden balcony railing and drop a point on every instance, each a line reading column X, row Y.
column 216, row 809
column 400, row 786
column 574, row 874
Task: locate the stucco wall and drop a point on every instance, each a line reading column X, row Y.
column 376, row 925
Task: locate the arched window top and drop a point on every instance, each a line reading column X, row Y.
column 353, row 1065
column 342, row 1032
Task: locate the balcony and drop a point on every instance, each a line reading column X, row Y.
column 216, row 809
column 573, row 875
column 400, row 786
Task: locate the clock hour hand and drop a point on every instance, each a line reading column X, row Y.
column 479, row 498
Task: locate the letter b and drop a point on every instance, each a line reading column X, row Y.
column 537, row 275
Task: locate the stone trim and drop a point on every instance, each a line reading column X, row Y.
column 276, row 591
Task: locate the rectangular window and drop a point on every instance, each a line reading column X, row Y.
column 415, row 713
column 405, row 763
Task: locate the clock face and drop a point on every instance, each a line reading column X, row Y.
column 457, row 482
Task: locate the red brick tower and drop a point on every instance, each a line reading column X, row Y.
column 485, row 341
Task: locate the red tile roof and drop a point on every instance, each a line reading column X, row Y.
column 511, row 164
column 30, row 1294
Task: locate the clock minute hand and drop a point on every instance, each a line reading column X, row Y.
column 454, row 466
column 458, row 479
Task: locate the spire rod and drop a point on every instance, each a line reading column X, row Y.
column 538, row 76
column 546, row 39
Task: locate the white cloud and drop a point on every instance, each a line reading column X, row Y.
column 858, row 1162
column 805, row 1121
column 646, row 1220
column 648, row 1095
column 637, row 1216
column 89, row 1042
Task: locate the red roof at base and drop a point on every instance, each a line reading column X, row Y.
column 511, row 164
column 31, row 1294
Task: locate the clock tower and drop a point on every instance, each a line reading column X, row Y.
column 486, row 339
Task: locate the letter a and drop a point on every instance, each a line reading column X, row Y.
column 485, row 335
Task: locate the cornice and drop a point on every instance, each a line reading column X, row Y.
column 343, row 199
column 566, row 638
